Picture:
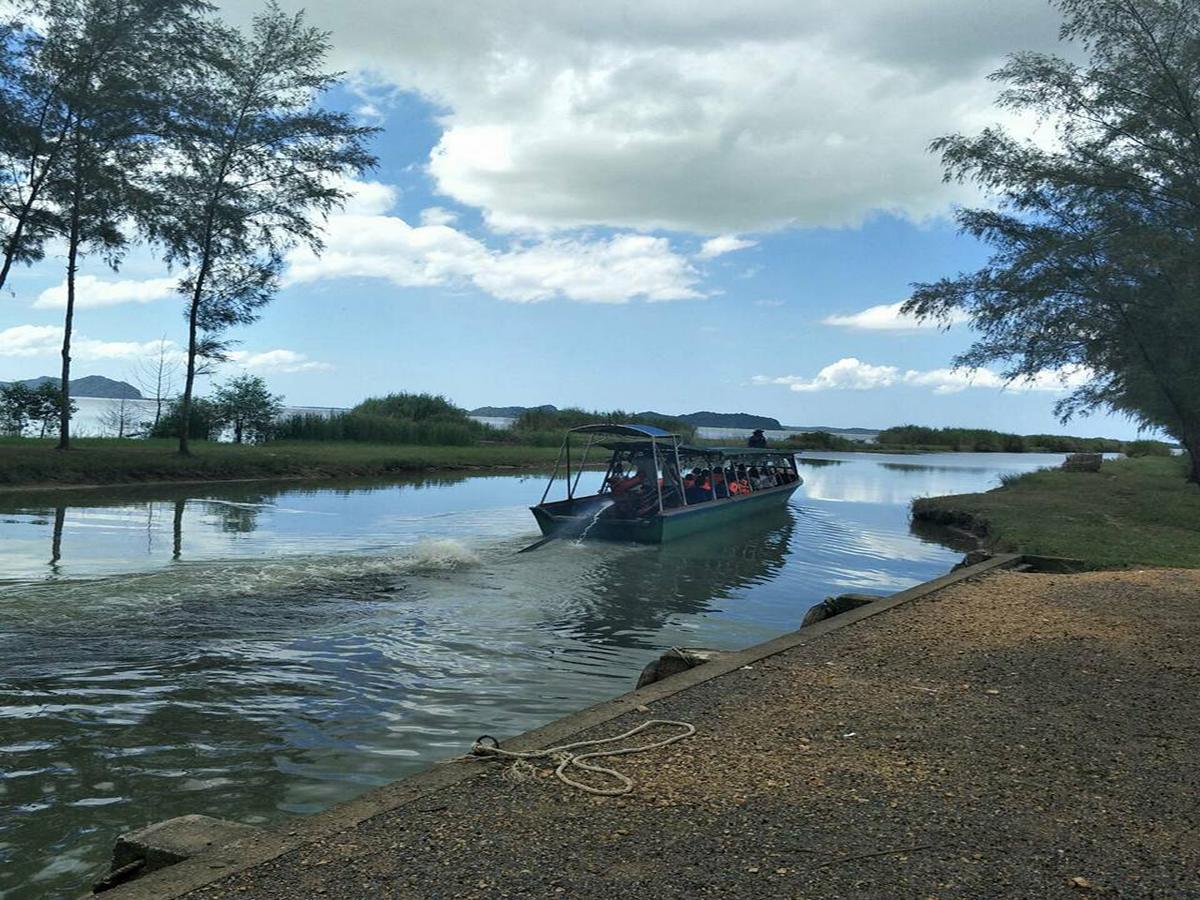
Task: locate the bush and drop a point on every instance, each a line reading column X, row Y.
column 412, row 408
column 1147, row 448
column 205, row 422
column 984, row 440
column 355, row 426
column 422, row 420
column 821, row 440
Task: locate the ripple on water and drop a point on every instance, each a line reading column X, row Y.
column 261, row 651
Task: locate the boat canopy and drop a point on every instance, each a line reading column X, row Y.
column 632, row 430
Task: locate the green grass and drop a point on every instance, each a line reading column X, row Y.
column 1133, row 512
column 26, row 462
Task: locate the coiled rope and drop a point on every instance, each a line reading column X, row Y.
column 566, row 757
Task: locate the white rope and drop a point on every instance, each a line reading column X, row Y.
column 566, row 759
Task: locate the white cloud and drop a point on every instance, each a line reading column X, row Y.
column 853, row 374
column 46, row 340
column 30, row 340
column 436, row 215
column 368, row 198
column 713, row 118
column 848, row 374
column 953, row 381
column 91, row 292
column 722, row 244
column 288, row 361
column 88, row 349
column 592, row 270
column 886, row 317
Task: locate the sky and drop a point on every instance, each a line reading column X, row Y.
column 641, row 205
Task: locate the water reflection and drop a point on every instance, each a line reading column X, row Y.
column 60, row 516
column 632, row 594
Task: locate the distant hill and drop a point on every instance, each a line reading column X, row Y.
column 508, row 412
column 701, row 419
column 833, row 429
column 705, row 419
column 88, row 386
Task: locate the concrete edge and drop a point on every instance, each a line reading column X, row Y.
column 195, row 873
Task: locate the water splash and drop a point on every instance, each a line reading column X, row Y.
column 439, row 554
column 604, row 505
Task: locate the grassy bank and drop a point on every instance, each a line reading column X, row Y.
column 1132, row 512
column 26, row 462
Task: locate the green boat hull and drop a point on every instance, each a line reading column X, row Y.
column 576, row 518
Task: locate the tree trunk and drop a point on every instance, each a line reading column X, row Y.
column 10, row 250
column 158, row 389
column 237, row 432
column 1191, row 444
column 13, row 244
column 64, row 422
column 189, row 382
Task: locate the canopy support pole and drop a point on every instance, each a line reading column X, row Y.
column 657, row 480
column 554, row 474
column 579, row 473
column 678, row 471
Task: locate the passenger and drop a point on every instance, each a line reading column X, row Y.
column 738, row 485
column 672, row 493
column 758, row 439
column 720, row 486
column 618, row 483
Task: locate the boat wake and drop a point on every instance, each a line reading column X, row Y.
column 282, row 578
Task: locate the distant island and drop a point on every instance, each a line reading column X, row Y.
column 706, row 419
column 833, row 429
column 88, row 386
column 701, row 419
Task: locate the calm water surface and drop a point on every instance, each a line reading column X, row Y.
column 255, row 652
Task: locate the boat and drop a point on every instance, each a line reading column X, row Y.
column 642, row 497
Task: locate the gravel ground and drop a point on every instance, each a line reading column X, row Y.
column 1017, row 736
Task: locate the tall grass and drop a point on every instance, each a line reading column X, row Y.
column 983, row 440
column 376, row 429
column 821, row 440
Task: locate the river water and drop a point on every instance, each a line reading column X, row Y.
column 260, row 651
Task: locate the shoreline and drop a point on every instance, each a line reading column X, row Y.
column 1133, row 512
column 41, row 487
column 96, row 463
column 849, row 753
column 272, row 843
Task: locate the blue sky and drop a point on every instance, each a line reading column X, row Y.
column 642, row 206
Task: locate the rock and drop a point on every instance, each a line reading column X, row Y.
column 1083, row 462
column 974, row 558
column 166, row 843
column 673, row 662
column 835, row 606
